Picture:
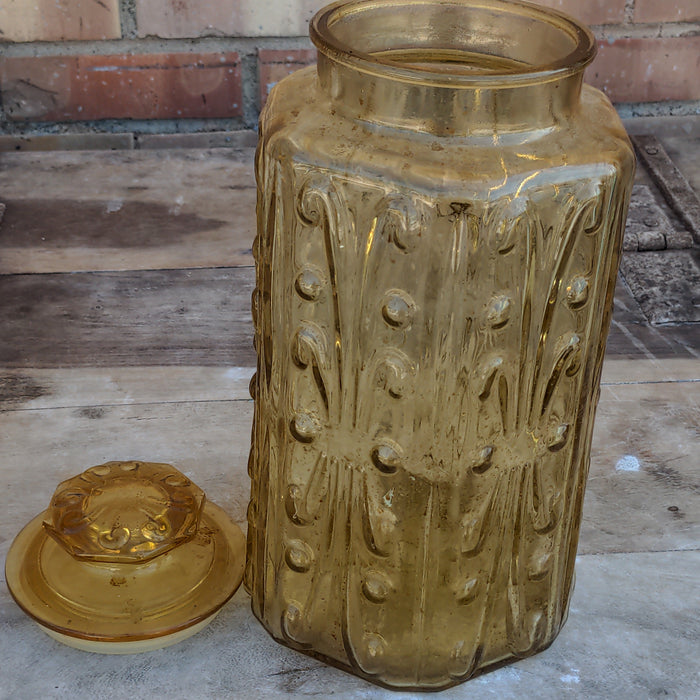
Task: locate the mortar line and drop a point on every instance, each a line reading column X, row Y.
column 652, row 30
column 129, row 45
column 20, row 129
column 127, row 18
column 132, row 44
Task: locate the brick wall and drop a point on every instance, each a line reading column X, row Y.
column 175, row 65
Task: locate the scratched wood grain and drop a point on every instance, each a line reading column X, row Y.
column 126, row 210
column 29, row 388
column 633, row 337
column 109, row 319
column 208, row 441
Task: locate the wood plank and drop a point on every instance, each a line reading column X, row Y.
column 142, row 318
column 208, row 441
column 637, row 341
column 679, row 194
column 643, row 492
column 141, row 364
column 27, row 388
column 649, row 227
column 632, row 337
column 92, row 388
column 683, row 148
column 666, row 284
column 632, row 633
column 640, row 370
column 128, row 210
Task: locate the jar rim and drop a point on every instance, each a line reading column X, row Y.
column 331, row 45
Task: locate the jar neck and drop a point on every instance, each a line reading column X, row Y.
column 451, row 67
column 445, row 111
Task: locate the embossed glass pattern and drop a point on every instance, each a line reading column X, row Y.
column 129, row 557
column 440, row 212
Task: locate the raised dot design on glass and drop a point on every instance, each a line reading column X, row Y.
column 375, row 646
column 398, row 309
column 376, row 586
column 483, row 460
column 309, row 284
column 299, row 556
column 253, row 385
column 293, row 619
column 100, row 470
column 177, row 481
column 115, row 538
column 558, row 438
column 305, row 426
column 292, row 616
column 468, row 592
column 386, row 456
column 498, row 311
column 292, row 613
column 156, row 529
column 577, row 292
column 393, row 372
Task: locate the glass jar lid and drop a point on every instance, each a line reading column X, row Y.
column 129, row 556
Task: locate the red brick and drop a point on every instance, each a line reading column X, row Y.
column 59, row 20
column 648, row 70
column 590, row 11
column 171, row 19
column 663, row 11
column 144, row 86
column 275, row 64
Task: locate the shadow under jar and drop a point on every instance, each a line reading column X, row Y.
column 441, row 205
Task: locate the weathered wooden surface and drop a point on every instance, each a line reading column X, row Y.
column 649, row 227
column 643, row 492
column 631, row 633
column 666, row 285
column 126, row 210
column 154, row 317
column 673, row 184
column 31, row 388
column 126, row 333
column 207, row 440
column 632, row 336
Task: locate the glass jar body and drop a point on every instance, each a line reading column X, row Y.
column 430, row 321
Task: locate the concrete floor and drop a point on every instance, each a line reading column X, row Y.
column 125, row 280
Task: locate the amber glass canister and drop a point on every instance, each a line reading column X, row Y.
column 441, row 204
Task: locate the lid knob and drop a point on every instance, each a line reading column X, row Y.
column 124, row 512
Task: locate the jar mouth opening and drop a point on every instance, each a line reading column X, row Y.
column 453, row 43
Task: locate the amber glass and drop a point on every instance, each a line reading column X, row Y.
column 440, row 212
column 129, row 557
